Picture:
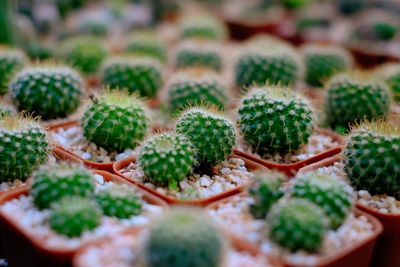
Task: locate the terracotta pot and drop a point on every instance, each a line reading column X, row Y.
column 25, row 249
column 119, row 165
column 366, row 59
column 292, row 168
column 241, row 30
column 359, row 254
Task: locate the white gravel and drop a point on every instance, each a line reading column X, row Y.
column 5, row 186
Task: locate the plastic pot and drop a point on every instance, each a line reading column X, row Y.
column 358, row 254
column 292, row 168
column 25, row 249
column 119, row 165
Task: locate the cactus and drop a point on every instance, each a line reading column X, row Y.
column 265, row 191
column 372, row 157
column 166, row 159
column 199, row 53
column 73, row 215
column 297, row 224
column 11, row 61
column 48, row 91
column 195, row 87
column 136, row 74
column 212, row 135
column 39, row 51
column 54, row 182
column 5, row 110
column 333, row 196
column 322, row 61
column 203, row 27
column 115, row 121
column 7, row 21
column 275, row 119
column 118, row 200
column 84, row 53
column 294, row 4
column 353, row 96
column 148, row 44
column 23, row 147
column 184, row 238
column 391, row 74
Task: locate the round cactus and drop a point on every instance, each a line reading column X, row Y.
column 196, row 87
column 297, row 224
column 372, row 157
column 354, row 96
column 136, row 74
column 294, row 4
column 148, row 44
column 391, row 74
column 322, row 61
column 199, row 53
column 275, row 119
column 84, row 53
column 212, row 135
column 23, row 147
column 166, row 159
column 115, row 121
column 376, row 31
column 265, row 191
column 73, row 215
column 333, row 196
column 184, row 238
column 54, row 182
column 11, row 61
column 48, row 91
column 118, row 200
column 203, row 27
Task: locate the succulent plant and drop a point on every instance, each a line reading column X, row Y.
column 333, row 196
column 275, row 119
column 353, row 96
column 39, row 51
column 297, row 224
column 166, row 159
column 204, row 27
column 11, row 61
column 84, row 53
column 7, row 22
column 23, row 147
column 184, row 238
column 5, row 110
column 115, row 121
column 323, row 61
column 149, row 44
column 391, row 74
column 376, row 31
column 119, row 200
column 265, row 191
column 199, row 53
column 48, row 91
column 294, row 4
column 73, row 215
column 372, row 156
column 136, row 74
column 54, row 182
column 195, row 87
column 349, row 7
column 213, row 136
column 95, row 27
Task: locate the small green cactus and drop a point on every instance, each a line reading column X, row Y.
column 184, row 238
column 48, row 91
column 212, row 135
column 199, row 53
column 265, row 191
column 354, row 96
column 5, row 110
column 297, row 224
column 54, row 182
column 372, row 157
column 149, row 44
column 115, row 121
column 166, row 159
column 136, row 74
column 73, row 215
column 333, row 196
column 23, row 147
column 7, row 21
column 120, row 201
column 323, row 61
column 275, row 119
column 11, row 61
column 391, row 74
column 294, row 4
column 196, row 87
column 376, row 31
column 39, row 51
column 203, row 27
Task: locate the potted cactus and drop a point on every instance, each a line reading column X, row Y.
column 11, row 61
column 202, row 26
column 147, row 43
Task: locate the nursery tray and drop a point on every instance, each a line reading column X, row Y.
column 119, row 165
column 357, row 255
column 25, row 249
column 290, row 169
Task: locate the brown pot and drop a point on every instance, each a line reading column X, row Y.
column 292, row 168
column 25, row 249
column 119, row 165
column 367, row 59
column 359, row 254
